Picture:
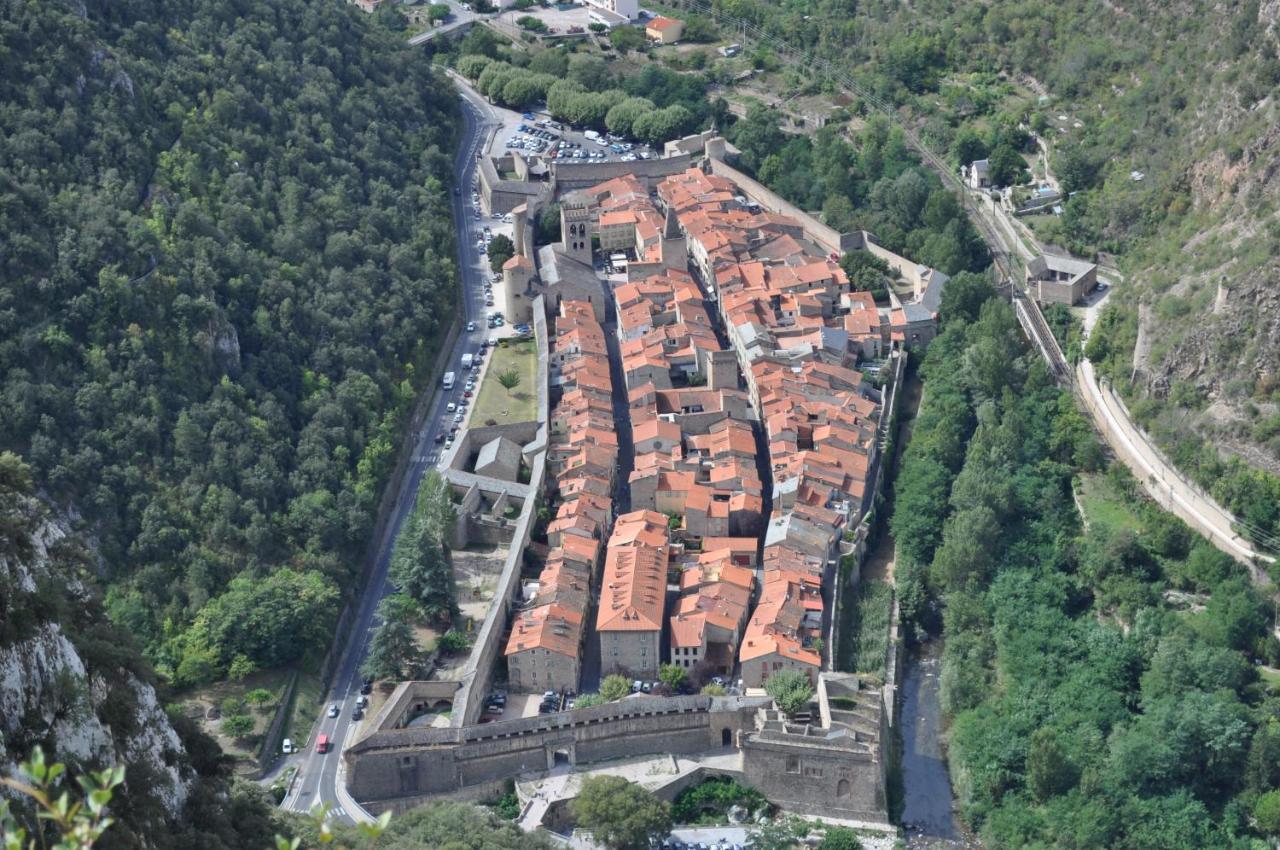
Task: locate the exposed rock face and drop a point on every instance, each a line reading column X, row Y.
column 81, row 708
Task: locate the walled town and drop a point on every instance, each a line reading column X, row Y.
column 715, row 395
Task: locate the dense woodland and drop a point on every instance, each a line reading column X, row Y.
column 1088, row 710
column 226, row 252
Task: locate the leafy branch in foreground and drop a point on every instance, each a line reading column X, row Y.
column 78, row 824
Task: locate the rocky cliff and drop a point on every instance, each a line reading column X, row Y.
column 72, row 683
column 79, row 704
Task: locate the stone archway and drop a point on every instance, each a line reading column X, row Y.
column 842, row 789
column 560, row 753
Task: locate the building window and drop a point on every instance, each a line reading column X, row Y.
column 793, row 764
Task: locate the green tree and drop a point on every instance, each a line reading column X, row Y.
column 509, row 379
column 393, row 648
column 1008, row 168
column 237, row 725
column 791, row 690
column 968, row 146
column 621, row 118
column 711, row 689
column 673, row 676
column 1050, row 770
column 453, row 642
column 501, row 249
column 260, row 697
column 840, row 838
column 589, row 72
column 614, row 687
column 964, row 295
column 626, row 38
column 1267, row 813
column 438, row 11
column 588, row 700
column 76, row 824
column 620, row 814
column 472, row 65
column 457, row 826
column 240, row 668
column 420, row 566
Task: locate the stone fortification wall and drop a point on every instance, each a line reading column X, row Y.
column 411, row 762
column 476, row 677
column 581, row 175
column 810, row 777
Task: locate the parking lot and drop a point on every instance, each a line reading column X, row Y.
column 536, row 135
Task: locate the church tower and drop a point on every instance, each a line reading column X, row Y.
column 575, row 229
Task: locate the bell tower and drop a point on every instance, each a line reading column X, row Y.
column 575, row 229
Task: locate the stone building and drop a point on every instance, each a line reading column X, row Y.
column 544, row 650
column 1053, row 279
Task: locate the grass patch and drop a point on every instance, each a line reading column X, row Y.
column 1271, row 676
column 494, row 401
column 875, row 608
column 864, row 632
column 1106, row 506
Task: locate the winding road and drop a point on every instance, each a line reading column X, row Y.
column 319, row 778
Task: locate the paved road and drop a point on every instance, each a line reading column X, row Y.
column 1157, row 475
column 319, row 779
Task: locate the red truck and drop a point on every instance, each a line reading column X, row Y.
column 322, row 744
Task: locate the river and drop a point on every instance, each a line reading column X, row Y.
column 928, row 817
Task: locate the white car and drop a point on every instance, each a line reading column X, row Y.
column 287, row 746
column 457, row 417
column 450, row 407
column 471, row 326
column 333, row 710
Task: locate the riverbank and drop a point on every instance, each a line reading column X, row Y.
column 929, row 820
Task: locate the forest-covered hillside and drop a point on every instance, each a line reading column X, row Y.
column 226, row 252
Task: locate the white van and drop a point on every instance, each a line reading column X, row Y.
column 287, row 746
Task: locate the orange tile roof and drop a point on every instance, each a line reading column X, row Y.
column 555, row 628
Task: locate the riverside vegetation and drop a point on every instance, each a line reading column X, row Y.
column 1087, row 708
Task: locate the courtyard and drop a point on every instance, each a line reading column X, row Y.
column 500, row 405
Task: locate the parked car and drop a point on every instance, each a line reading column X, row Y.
column 367, row 686
column 357, row 713
column 287, row 746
